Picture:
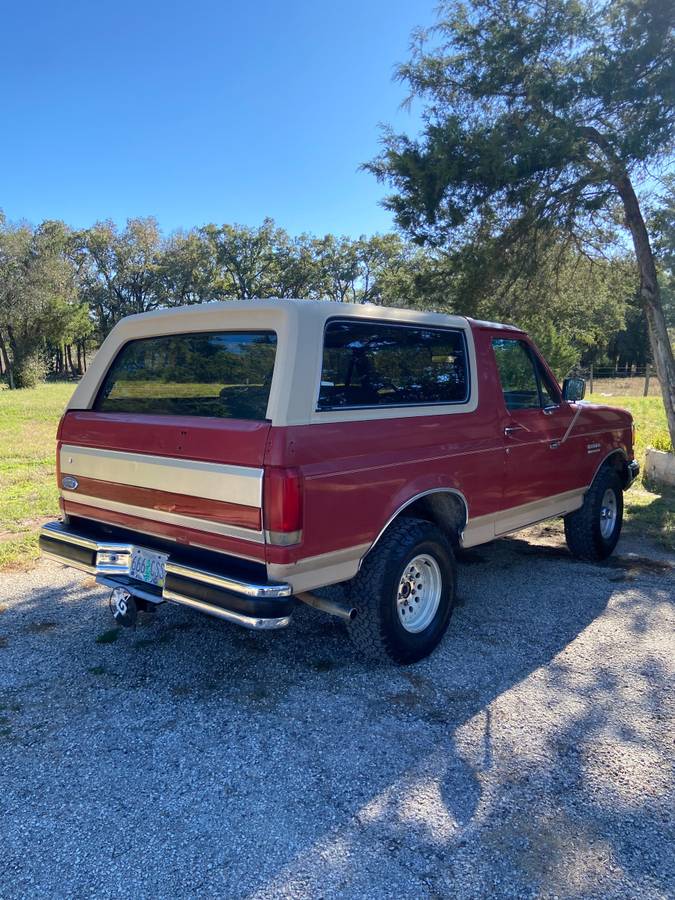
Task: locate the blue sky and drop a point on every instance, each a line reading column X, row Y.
column 201, row 111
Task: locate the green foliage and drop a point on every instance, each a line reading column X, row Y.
column 30, row 370
column 556, row 348
column 661, row 441
column 531, row 112
column 76, row 286
column 39, row 300
column 118, row 270
column 662, row 222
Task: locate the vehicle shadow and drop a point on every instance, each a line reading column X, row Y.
column 291, row 743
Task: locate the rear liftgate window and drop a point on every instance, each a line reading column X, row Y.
column 222, row 374
column 369, row 364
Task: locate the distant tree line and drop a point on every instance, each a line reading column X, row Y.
column 62, row 290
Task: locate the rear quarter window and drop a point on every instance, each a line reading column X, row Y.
column 371, row 364
column 225, row 375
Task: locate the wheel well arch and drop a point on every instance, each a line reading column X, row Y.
column 615, row 459
column 445, row 507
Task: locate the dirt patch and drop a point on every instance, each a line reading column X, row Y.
column 25, row 527
column 639, row 565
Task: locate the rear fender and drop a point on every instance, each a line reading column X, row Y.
column 446, row 507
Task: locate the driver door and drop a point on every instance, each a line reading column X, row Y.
column 534, row 420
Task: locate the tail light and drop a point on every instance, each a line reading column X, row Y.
column 58, row 450
column 282, row 506
column 64, row 516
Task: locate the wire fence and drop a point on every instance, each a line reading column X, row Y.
column 635, row 381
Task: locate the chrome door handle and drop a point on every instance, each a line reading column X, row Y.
column 510, row 429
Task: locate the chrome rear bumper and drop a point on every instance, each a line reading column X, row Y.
column 259, row 605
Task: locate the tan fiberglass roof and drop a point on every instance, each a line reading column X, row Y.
column 299, row 328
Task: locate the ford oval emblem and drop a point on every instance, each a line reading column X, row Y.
column 69, row 483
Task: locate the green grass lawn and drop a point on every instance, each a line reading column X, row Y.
column 28, row 495
column 647, row 512
column 28, row 421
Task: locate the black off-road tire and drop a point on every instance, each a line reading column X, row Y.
column 377, row 630
column 583, row 527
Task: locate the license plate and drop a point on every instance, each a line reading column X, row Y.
column 148, row 566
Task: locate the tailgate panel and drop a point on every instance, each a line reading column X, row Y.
column 174, row 476
column 232, row 441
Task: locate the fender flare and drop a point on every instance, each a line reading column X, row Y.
column 617, row 451
column 412, row 500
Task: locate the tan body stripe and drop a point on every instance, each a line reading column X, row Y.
column 214, row 481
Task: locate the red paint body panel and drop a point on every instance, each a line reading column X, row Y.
column 227, row 441
column 358, row 474
column 187, row 536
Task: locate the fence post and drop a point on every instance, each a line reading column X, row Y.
column 590, row 378
column 647, row 374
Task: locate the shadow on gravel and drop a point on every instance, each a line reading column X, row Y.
column 291, row 745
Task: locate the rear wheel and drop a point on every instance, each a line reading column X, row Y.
column 404, row 593
column 593, row 530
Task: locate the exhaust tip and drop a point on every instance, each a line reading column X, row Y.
column 328, row 606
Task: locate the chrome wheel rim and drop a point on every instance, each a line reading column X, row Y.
column 608, row 510
column 419, row 593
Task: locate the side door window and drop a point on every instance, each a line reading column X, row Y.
column 549, row 394
column 518, row 375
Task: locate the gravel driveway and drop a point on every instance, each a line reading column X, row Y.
column 531, row 755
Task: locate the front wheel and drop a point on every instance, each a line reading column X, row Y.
column 404, row 593
column 593, row 530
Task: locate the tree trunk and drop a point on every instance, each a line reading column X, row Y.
column 70, row 358
column 659, row 340
column 7, row 362
column 11, row 361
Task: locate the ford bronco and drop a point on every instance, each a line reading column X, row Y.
column 238, row 457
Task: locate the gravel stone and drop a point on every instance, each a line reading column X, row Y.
column 530, row 756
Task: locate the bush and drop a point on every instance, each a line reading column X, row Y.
column 30, row 371
column 661, row 441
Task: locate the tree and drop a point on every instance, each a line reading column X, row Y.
column 39, row 302
column 663, row 226
column 186, row 270
column 540, row 118
column 245, row 257
column 118, row 270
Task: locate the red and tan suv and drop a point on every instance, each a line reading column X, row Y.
column 237, row 457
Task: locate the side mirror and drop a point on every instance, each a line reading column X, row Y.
column 574, row 389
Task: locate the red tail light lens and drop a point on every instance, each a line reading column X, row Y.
column 58, row 451
column 282, row 506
